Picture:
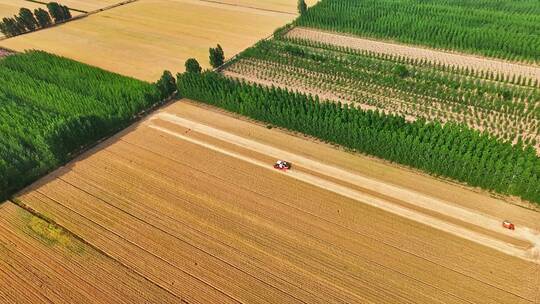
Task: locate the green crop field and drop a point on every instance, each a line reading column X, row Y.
column 505, row 107
column 51, row 107
column 505, row 29
column 451, row 150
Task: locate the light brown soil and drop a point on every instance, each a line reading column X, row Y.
column 213, row 228
column 461, row 60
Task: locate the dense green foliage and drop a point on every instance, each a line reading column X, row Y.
column 58, row 12
column 43, row 18
column 27, row 21
column 217, row 56
column 451, row 150
column 166, row 84
column 193, row 66
column 302, row 7
column 51, row 107
column 497, row 28
column 506, row 107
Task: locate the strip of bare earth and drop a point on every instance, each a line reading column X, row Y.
column 414, row 52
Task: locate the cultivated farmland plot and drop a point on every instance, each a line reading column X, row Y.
column 506, row 106
column 502, row 29
column 477, row 63
column 189, row 200
column 186, row 206
column 143, row 38
column 42, row 264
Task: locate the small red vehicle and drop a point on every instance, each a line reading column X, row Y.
column 282, row 165
column 508, row 225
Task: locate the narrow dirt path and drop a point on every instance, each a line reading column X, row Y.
column 426, row 202
column 414, row 52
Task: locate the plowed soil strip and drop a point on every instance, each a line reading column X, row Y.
column 455, row 59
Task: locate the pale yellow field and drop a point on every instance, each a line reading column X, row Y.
column 143, row 38
column 289, row 6
column 9, row 8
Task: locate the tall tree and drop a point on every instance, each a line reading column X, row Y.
column 12, row 27
column 66, row 12
column 43, row 17
column 166, row 84
column 302, row 7
column 193, row 66
column 217, row 56
column 28, row 19
column 56, row 11
column 20, row 24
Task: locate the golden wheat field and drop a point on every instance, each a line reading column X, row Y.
column 41, row 264
column 189, row 201
column 143, row 38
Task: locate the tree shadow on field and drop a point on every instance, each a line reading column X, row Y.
column 87, row 153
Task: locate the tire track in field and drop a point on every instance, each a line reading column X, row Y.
column 407, row 195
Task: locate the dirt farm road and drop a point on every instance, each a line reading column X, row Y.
column 529, row 252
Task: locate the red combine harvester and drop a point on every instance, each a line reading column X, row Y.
column 508, row 225
column 282, row 165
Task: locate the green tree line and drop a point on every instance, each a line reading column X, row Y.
column 508, row 105
column 27, row 21
column 452, row 151
column 504, row 29
column 52, row 107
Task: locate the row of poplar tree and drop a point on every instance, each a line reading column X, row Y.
column 52, row 107
column 449, row 150
column 28, row 21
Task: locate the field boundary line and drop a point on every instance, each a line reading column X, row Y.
column 22, row 205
